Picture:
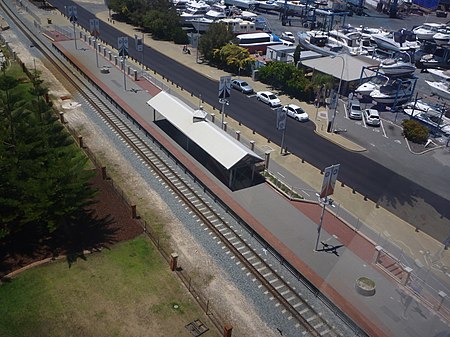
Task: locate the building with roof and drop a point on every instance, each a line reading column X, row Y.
column 224, row 156
column 350, row 68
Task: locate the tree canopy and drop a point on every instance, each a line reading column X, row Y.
column 214, row 39
column 44, row 182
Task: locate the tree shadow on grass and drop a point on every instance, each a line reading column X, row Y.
column 89, row 232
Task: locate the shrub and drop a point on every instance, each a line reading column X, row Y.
column 414, row 131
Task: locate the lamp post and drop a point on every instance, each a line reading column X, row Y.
column 338, row 91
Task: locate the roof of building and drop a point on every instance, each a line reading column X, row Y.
column 217, row 143
column 353, row 66
column 281, row 47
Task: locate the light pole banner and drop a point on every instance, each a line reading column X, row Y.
column 139, row 43
column 224, row 86
column 122, row 45
column 281, row 119
column 94, row 27
column 329, row 180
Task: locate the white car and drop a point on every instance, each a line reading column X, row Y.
column 372, row 117
column 268, row 98
column 296, row 112
column 288, row 36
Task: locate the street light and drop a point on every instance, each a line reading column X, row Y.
column 338, row 91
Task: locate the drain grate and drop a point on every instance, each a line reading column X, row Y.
column 196, row 328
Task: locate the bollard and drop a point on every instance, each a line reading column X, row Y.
column 254, row 132
column 115, row 60
column 128, row 70
column 89, row 40
column 225, row 124
column 252, row 145
column 135, row 75
column 227, row 330
column 104, row 51
column 342, row 184
column 303, row 160
column 213, row 118
column 238, row 135
column 80, row 141
column 133, row 212
column 353, row 191
column 104, row 176
column 268, row 140
column 365, row 198
column 109, row 55
column 173, row 261
column 61, row 117
column 267, row 159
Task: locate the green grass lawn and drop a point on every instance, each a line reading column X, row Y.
column 126, row 291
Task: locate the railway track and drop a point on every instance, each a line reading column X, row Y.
column 285, row 297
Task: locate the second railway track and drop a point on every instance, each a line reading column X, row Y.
column 287, row 298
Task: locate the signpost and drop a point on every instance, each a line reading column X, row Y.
column 73, row 17
column 224, row 92
column 139, row 41
column 329, row 181
column 94, row 28
column 122, row 46
column 281, row 124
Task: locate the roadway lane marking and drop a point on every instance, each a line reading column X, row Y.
column 382, row 128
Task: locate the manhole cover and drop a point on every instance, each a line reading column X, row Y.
column 196, row 328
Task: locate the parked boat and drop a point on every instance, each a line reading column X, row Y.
column 349, row 40
column 440, row 59
column 318, row 41
column 442, row 38
column 395, row 67
column 374, row 83
column 439, row 74
column 245, row 4
column 194, row 10
column 270, row 5
column 397, row 41
column 427, row 30
column 394, row 92
column 441, row 89
column 430, row 115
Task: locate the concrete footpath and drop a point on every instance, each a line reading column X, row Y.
column 291, row 227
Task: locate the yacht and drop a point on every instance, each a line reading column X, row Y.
column 374, row 83
column 427, row 30
column 245, row 4
column 215, row 12
column 194, row 10
column 430, row 115
column 402, row 40
column 395, row 67
column 439, row 74
column 294, row 6
column 442, row 38
column 349, row 40
column 440, row 59
column 394, row 92
column 440, row 88
column 317, row 41
column 270, row 5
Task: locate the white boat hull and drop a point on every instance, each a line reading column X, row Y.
column 388, row 99
column 399, row 70
column 439, row 88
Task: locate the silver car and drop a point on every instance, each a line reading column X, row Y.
column 242, row 86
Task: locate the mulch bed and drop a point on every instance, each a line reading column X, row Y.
column 103, row 224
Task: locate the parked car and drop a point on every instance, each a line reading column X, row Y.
column 288, row 36
column 268, row 98
column 296, row 112
column 242, row 86
column 372, row 117
column 354, row 110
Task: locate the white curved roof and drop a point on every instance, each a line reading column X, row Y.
column 217, row 143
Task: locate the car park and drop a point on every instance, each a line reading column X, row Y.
column 294, row 111
column 372, row 117
column 242, row 86
column 268, row 98
column 354, row 110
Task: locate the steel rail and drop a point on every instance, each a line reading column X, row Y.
column 287, row 296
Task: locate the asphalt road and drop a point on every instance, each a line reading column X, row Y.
column 378, row 183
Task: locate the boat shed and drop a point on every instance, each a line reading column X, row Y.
column 349, row 67
column 224, row 156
